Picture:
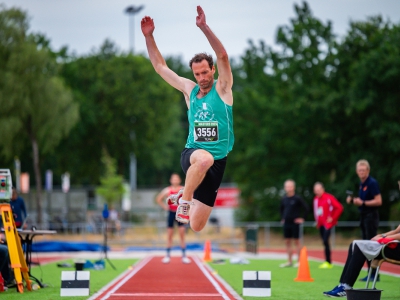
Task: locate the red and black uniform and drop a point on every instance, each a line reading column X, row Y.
column 327, row 210
column 172, row 209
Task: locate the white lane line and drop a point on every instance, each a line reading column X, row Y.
column 166, row 295
column 210, row 278
column 224, row 283
column 124, row 277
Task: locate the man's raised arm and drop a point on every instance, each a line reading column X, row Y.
column 160, row 66
column 225, row 78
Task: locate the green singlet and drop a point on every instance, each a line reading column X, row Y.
column 210, row 123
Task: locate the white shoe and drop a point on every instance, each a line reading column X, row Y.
column 185, row 260
column 174, row 198
column 286, row 265
column 182, row 213
column 166, row 260
column 296, row 265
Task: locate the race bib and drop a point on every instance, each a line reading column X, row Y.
column 206, row 131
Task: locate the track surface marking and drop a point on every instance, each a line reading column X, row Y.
column 151, row 279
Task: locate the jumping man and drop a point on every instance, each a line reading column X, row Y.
column 210, row 137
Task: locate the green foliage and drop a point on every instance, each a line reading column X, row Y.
column 36, row 107
column 111, row 184
column 125, row 107
column 311, row 109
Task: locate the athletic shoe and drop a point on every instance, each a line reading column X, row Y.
column 166, row 260
column 337, row 292
column 182, row 213
column 326, row 265
column 185, row 260
column 174, row 199
column 296, row 265
column 371, row 279
column 286, row 265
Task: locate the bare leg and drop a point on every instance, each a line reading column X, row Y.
column 170, row 232
column 289, row 249
column 198, row 215
column 182, row 230
column 200, row 162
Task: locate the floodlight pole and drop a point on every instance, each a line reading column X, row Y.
column 132, row 11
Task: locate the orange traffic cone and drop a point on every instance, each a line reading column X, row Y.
column 303, row 273
column 207, row 251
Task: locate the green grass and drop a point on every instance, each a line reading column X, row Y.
column 51, row 275
column 284, row 288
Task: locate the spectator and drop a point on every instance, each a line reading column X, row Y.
column 18, row 208
column 293, row 211
column 327, row 210
column 175, row 181
column 114, row 220
column 356, row 259
column 368, row 200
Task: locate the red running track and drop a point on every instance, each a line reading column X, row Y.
column 151, row 279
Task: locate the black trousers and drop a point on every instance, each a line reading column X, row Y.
column 356, row 259
column 369, row 223
column 325, row 234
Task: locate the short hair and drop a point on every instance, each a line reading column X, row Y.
column 199, row 57
column 363, row 162
column 175, row 174
column 290, row 180
column 319, row 183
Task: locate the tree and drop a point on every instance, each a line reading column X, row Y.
column 111, row 184
column 283, row 125
column 311, row 109
column 37, row 107
column 125, row 107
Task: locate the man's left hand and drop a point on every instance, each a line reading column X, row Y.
column 201, row 17
column 358, row 202
column 299, row 220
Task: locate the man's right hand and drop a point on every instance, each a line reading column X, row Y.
column 147, row 26
column 349, row 199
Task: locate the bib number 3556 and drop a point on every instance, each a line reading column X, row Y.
column 206, row 131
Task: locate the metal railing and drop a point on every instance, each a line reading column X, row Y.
column 233, row 237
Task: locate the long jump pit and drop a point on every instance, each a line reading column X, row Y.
column 152, row 279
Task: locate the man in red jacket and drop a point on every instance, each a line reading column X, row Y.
column 327, row 210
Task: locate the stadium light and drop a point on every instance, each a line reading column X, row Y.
column 132, row 11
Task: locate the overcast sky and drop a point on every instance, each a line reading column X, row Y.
column 84, row 24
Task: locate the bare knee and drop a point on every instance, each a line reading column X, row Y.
column 203, row 161
column 197, row 226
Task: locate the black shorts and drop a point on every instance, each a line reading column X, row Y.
column 207, row 191
column 291, row 230
column 171, row 220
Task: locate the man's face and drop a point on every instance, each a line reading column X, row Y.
column 203, row 74
column 289, row 187
column 175, row 180
column 318, row 190
column 362, row 172
column 14, row 195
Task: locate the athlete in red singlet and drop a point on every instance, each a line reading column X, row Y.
column 174, row 188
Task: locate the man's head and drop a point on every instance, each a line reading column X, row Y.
column 203, row 69
column 362, row 169
column 319, row 189
column 14, row 193
column 175, row 179
column 289, row 187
